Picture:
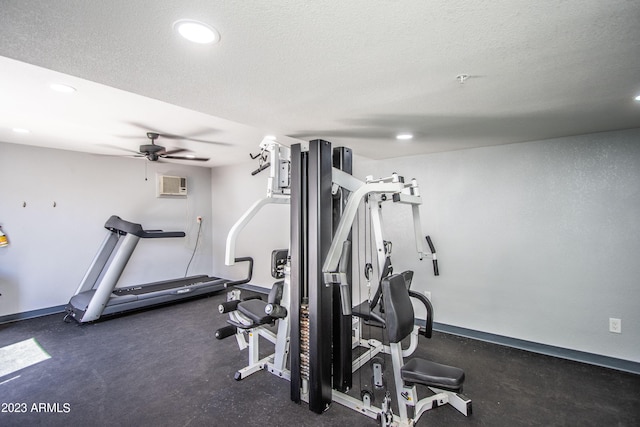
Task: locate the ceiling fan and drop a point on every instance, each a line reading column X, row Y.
column 155, row 152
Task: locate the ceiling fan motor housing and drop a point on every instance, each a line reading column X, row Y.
column 151, row 149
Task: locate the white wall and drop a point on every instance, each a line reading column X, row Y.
column 537, row 241
column 51, row 248
column 234, row 191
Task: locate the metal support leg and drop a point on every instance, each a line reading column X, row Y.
column 255, row 364
column 114, row 270
column 396, row 358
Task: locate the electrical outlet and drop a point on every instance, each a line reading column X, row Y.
column 199, row 219
column 615, row 325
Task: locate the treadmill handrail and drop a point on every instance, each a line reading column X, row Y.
column 118, row 225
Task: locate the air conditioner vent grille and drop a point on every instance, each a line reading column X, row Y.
column 172, row 186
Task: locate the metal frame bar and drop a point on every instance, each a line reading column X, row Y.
column 296, row 254
column 396, row 358
column 376, row 225
column 348, row 216
column 342, row 324
column 283, row 338
column 320, row 296
column 230, row 249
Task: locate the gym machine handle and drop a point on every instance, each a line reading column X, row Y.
column 249, row 272
column 343, row 266
column 261, row 168
column 115, row 224
column 146, row 234
column 428, row 327
column 433, row 254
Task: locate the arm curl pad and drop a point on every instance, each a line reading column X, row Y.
column 229, row 306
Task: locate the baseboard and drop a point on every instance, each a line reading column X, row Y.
column 31, row 314
column 549, row 350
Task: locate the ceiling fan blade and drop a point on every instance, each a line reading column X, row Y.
column 203, row 130
column 191, row 136
column 120, row 155
column 138, row 137
column 175, row 150
column 179, row 137
column 198, row 159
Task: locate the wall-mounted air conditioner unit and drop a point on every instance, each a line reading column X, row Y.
column 172, row 186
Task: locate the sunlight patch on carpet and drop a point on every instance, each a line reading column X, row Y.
column 21, row 355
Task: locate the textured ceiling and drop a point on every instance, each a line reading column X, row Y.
column 354, row 73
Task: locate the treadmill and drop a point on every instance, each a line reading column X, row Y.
column 97, row 294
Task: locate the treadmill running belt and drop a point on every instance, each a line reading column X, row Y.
column 164, row 285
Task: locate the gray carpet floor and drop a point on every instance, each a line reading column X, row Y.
column 163, row 367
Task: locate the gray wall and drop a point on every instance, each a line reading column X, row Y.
column 234, row 191
column 51, row 248
column 536, row 241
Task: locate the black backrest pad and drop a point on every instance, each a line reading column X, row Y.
column 275, row 295
column 397, row 307
column 408, row 277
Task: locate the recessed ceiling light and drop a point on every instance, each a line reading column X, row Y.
column 637, row 98
column 190, row 156
column 197, row 32
column 404, row 136
column 58, row 87
column 270, row 137
column 20, row 130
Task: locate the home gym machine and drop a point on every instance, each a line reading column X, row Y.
column 97, row 294
column 251, row 318
column 323, row 326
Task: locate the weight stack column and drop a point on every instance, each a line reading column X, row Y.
column 311, row 233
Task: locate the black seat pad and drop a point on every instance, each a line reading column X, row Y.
column 254, row 310
column 431, row 374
